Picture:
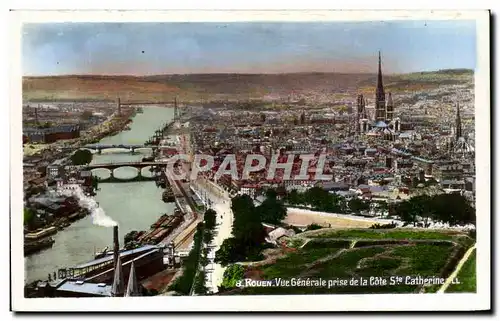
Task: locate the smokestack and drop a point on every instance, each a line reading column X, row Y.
column 118, row 105
column 36, row 114
column 116, row 245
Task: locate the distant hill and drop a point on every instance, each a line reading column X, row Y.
column 224, row 86
column 93, row 87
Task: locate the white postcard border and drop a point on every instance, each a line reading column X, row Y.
column 383, row 302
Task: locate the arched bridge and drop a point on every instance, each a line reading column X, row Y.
column 131, row 147
column 137, row 165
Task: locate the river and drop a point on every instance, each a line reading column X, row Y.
column 134, row 205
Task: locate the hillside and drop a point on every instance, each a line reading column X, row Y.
column 343, row 254
column 225, row 86
column 93, row 87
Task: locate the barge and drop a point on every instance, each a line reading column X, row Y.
column 160, row 229
column 168, row 195
column 40, row 234
column 38, row 245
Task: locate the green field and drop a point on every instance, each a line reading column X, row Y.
column 393, row 234
column 294, row 263
column 327, row 258
column 466, row 276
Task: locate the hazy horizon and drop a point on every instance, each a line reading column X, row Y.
column 149, row 49
column 239, row 73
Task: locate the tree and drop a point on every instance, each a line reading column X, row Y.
column 199, row 283
column 356, row 205
column 208, row 237
column 229, row 252
column 29, row 216
column 247, row 225
column 453, row 209
column 313, row 227
column 248, row 233
column 271, row 193
column 232, row 275
column 272, row 210
column 294, row 197
column 185, row 282
column 321, row 200
column 210, row 219
column 95, row 182
column 81, row 157
column 86, row 115
column 404, row 211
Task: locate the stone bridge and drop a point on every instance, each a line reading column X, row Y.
column 137, row 165
column 130, row 147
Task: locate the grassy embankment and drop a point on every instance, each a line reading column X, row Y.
column 466, row 276
column 365, row 253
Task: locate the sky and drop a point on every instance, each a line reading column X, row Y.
column 251, row 47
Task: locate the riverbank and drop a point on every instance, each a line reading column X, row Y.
column 36, row 240
column 109, row 128
column 132, row 205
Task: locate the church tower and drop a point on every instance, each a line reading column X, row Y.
column 458, row 124
column 361, row 106
column 176, row 110
column 379, row 94
column 389, row 112
column 360, row 112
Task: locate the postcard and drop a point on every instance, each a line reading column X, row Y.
column 250, row 161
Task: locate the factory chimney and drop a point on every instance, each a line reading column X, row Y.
column 118, row 105
column 36, row 115
column 116, row 246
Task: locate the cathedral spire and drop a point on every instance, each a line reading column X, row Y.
column 380, row 94
column 458, row 124
column 132, row 287
column 118, row 287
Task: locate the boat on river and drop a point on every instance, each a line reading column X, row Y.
column 168, row 195
column 38, row 245
column 102, row 253
column 40, row 233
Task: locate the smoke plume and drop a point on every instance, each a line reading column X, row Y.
column 99, row 216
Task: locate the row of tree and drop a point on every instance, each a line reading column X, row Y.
column 184, row 283
column 319, row 199
column 453, row 209
column 209, row 222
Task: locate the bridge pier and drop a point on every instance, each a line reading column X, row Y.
column 111, row 174
column 99, row 151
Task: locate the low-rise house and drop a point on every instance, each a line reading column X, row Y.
column 278, row 235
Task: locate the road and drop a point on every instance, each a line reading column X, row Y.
column 457, row 270
column 221, row 203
